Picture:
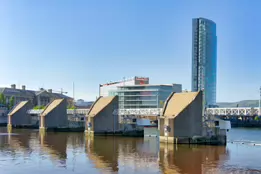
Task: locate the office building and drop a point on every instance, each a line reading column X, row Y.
column 144, row 96
column 204, row 59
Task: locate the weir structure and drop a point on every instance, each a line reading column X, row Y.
column 181, row 120
column 54, row 117
column 100, row 119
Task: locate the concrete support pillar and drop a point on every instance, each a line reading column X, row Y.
column 42, row 134
column 166, row 133
column 9, row 120
column 42, row 124
column 89, row 133
column 89, row 126
column 9, row 128
column 42, row 129
column 9, row 124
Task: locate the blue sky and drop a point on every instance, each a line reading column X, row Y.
column 51, row 44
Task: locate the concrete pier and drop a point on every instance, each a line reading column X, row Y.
column 100, row 119
column 181, row 121
column 54, row 115
column 18, row 115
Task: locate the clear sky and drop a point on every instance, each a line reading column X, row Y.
column 50, row 44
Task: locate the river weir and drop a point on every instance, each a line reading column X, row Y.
column 182, row 120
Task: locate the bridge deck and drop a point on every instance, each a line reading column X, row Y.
column 157, row 111
column 233, row 111
column 69, row 111
column 210, row 111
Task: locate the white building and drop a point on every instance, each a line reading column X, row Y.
column 104, row 89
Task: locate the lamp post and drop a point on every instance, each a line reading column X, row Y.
column 259, row 101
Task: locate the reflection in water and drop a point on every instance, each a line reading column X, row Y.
column 27, row 151
column 191, row 159
column 103, row 152
column 56, row 148
column 111, row 154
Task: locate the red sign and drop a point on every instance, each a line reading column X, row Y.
column 142, row 79
column 142, row 82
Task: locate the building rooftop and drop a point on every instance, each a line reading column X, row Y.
column 99, row 105
column 123, row 80
column 177, row 102
column 31, row 93
column 11, row 91
column 18, row 107
column 202, row 18
column 148, row 85
column 51, row 106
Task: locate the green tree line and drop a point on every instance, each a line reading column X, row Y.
column 39, row 107
column 9, row 105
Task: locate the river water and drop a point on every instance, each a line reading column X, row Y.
column 28, row 152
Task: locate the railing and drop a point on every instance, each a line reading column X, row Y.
column 78, row 111
column 69, row 111
column 233, row 111
column 35, row 111
column 145, row 112
column 209, row 111
column 158, row 111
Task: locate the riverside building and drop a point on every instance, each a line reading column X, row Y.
column 144, row 96
column 106, row 89
column 39, row 97
column 138, row 94
column 204, row 59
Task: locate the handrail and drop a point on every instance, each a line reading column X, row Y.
column 69, row 111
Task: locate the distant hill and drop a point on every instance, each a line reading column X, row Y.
column 81, row 104
column 243, row 103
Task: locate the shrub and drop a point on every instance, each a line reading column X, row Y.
column 39, row 107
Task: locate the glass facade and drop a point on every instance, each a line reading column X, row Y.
column 152, row 96
column 204, row 59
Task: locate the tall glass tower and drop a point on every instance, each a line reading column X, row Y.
column 204, row 59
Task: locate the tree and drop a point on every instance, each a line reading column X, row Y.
column 256, row 118
column 71, row 107
column 36, row 108
column 39, row 107
column 2, row 99
column 11, row 102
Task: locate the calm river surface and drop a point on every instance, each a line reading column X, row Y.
column 28, row 152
